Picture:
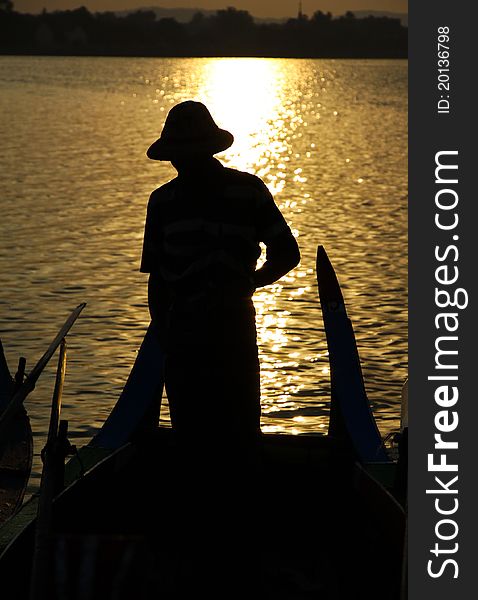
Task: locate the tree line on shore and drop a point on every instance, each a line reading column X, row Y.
column 228, row 32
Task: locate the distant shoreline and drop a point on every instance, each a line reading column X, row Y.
column 227, row 33
column 104, row 55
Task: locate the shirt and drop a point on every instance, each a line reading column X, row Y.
column 202, row 233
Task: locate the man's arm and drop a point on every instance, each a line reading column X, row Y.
column 282, row 256
column 154, row 304
column 158, row 298
column 282, row 253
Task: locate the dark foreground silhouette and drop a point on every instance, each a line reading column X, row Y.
column 140, row 526
column 201, row 245
column 143, row 519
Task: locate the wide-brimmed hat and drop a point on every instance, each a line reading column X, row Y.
column 189, row 130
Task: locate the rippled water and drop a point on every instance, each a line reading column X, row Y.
column 329, row 137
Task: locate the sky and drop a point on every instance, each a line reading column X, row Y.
column 264, row 8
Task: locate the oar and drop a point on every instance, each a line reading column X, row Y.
column 30, row 381
column 53, row 456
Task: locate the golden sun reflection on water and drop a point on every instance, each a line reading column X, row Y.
column 328, row 137
column 246, row 96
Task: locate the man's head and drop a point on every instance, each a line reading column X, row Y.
column 189, row 132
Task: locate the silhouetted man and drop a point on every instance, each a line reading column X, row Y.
column 201, row 245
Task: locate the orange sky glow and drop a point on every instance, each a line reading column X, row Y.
column 264, row 8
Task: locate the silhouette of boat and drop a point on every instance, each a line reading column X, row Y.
column 16, row 445
column 315, row 516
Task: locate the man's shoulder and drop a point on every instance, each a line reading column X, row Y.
column 164, row 193
column 242, row 176
column 235, row 177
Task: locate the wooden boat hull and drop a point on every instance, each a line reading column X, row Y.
column 16, row 454
column 302, row 514
column 16, row 449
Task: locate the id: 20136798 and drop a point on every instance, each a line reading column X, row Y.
column 443, row 66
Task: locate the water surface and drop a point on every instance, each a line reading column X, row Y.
column 329, row 137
